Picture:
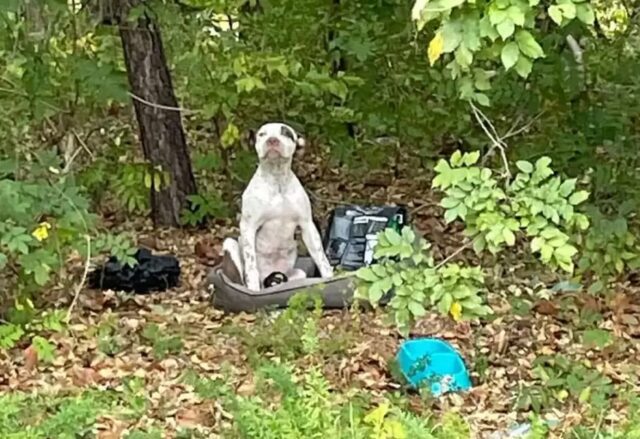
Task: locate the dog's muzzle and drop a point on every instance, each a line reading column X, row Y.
column 273, row 145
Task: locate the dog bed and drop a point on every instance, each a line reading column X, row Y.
column 348, row 247
column 228, row 296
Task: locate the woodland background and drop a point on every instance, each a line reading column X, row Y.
column 95, row 160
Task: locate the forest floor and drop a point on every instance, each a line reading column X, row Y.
column 141, row 346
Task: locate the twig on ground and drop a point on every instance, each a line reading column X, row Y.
column 455, row 253
column 82, row 280
column 422, row 206
column 84, row 145
column 316, row 197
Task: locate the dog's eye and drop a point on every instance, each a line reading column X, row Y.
column 261, row 134
column 287, row 133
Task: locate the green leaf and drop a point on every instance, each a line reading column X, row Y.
column 449, row 202
column 471, row 158
column 567, row 187
column 463, row 56
column 568, row 10
column 41, row 274
column 392, row 236
column 445, row 303
column 3, row 260
column 456, row 158
column 585, row 395
column 451, row 3
column 596, row 287
column 367, row 274
column 523, row 67
column 375, row 293
column 506, row 28
column 450, row 215
column 509, row 236
column 596, row 337
column 524, row 166
column 509, row 55
column 584, row 12
column 528, row 44
column 516, row 15
column 578, row 197
column 556, row 14
column 497, row 16
column 565, row 252
column 482, row 99
column 45, row 350
column 416, row 308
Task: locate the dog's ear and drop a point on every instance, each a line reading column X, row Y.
column 251, row 137
column 300, row 150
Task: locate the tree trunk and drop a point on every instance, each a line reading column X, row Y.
column 161, row 132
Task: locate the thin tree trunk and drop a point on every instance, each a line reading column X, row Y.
column 161, row 132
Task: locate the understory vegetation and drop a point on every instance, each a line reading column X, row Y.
column 510, row 129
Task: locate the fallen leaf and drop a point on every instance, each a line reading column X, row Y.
column 546, row 308
column 31, row 358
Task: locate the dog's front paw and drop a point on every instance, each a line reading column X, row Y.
column 327, row 272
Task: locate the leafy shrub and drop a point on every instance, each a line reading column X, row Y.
column 416, row 281
column 534, row 203
column 609, row 248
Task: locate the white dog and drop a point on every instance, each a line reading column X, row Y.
column 274, row 204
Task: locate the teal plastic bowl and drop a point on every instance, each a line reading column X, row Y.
column 435, row 362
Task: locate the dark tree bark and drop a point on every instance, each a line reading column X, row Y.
column 161, row 132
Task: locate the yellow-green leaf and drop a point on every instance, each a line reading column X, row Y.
column 435, row 48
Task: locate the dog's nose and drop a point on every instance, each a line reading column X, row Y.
column 273, row 141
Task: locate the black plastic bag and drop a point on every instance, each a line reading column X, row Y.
column 350, row 237
column 151, row 273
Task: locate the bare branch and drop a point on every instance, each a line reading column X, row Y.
column 497, row 142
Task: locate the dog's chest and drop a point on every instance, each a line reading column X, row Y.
column 279, row 221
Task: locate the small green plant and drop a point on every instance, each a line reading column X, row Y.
column 154, row 433
column 28, row 324
column 383, row 425
column 163, row 345
column 130, row 187
column 599, row 338
column 205, row 206
column 134, row 397
column 110, row 342
column 560, row 378
column 291, row 334
column 289, row 404
column 453, row 426
column 405, row 265
column 609, row 248
column 66, row 417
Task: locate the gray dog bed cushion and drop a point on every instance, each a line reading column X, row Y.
column 336, row 292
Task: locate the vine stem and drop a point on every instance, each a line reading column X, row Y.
column 491, row 132
column 82, row 280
